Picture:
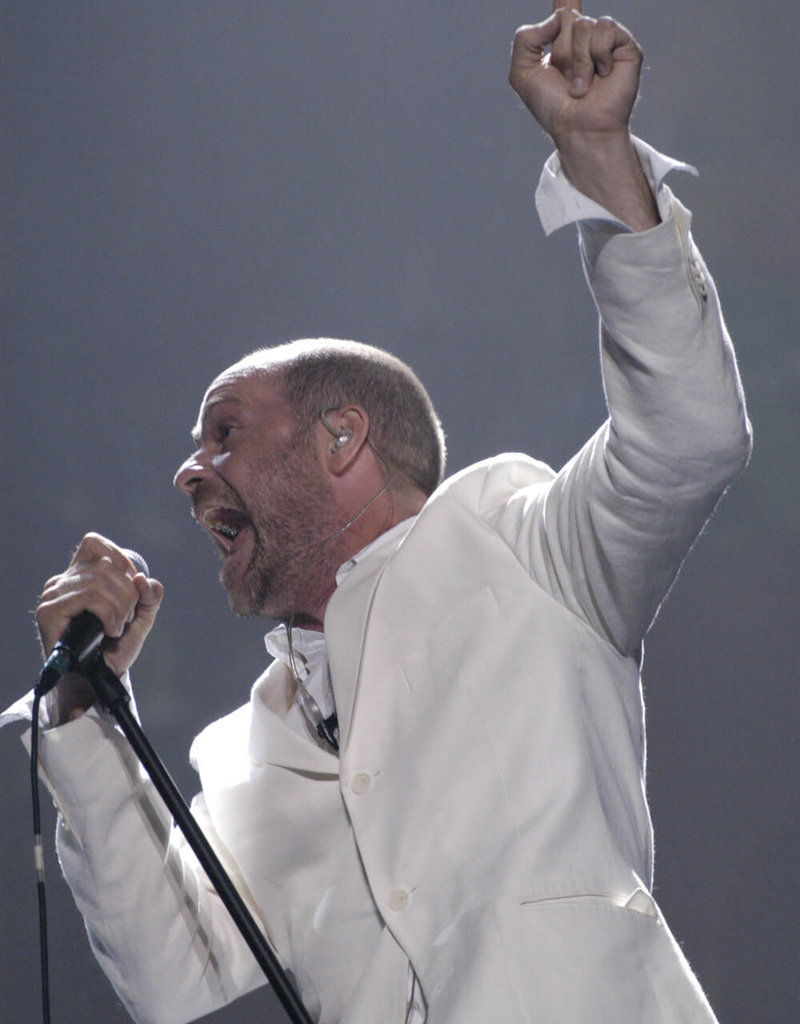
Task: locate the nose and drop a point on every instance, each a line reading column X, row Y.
column 191, row 473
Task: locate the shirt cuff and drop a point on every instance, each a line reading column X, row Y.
column 559, row 203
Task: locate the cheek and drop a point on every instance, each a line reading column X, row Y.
column 240, row 469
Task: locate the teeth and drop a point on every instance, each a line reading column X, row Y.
column 227, row 522
column 229, row 531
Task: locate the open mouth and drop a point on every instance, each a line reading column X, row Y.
column 225, row 526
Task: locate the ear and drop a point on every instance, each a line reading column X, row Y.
column 343, row 436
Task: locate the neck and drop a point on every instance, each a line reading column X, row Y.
column 380, row 515
column 365, row 525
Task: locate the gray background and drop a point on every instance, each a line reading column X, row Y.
column 185, row 181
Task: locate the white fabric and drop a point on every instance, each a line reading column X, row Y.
column 486, row 820
column 310, row 656
column 559, row 203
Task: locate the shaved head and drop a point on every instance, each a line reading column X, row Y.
column 327, row 373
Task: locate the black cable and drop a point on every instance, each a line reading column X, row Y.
column 38, row 859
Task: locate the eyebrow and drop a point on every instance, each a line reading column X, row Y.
column 196, row 433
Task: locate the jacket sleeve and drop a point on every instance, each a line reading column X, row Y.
column 154, row 922
column 608, row 535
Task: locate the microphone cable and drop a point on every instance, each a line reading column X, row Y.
column 70, row 659
column 38, row 859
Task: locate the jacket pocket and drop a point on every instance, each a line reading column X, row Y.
column 640, row 901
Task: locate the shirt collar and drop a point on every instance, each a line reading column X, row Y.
column 396, row 533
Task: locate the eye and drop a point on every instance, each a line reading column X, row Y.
column 224, row 431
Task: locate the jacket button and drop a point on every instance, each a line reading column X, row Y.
column 398, row 900
column 361, row 783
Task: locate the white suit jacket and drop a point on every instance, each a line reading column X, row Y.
column 486, row 819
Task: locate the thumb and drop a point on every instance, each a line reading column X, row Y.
column 120, row 653
column 582, row 75
column 527, row 51
column 151, row 594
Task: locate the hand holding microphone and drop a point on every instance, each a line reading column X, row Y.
column 122, row 600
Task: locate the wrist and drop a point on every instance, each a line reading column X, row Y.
column 70, row 699
column 590, row 157
column 605, row 167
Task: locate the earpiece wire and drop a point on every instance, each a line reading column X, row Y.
column 324, row 727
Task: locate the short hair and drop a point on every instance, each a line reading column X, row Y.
column 316, row 374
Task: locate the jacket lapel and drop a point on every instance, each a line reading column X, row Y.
column 345, row 627
column 271, row 741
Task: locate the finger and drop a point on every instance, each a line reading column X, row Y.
column 151, row 594
column 101, row 586
column 582, row 60
column 111, row 586
column 530, row 42
column 111, row 600
column 607, row 40
column 121, row 653
column 572, row 5
column 94, row 546
column 561, row 46
column 527, row 55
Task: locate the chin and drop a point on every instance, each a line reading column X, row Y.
column 240, row 599
column 249, row 601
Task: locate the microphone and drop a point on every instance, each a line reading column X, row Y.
column 81, row 639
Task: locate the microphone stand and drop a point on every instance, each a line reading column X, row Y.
column 115, row 699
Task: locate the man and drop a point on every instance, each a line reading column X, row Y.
column 434, row 799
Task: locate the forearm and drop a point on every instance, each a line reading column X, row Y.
column 155, row 926
column 677, row 432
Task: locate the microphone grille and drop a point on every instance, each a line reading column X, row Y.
column 137, row 560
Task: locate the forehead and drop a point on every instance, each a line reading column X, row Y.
column 255, row 392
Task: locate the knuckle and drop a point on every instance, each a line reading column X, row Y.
column 90, row 547
column 50, row 585
column 89, row 543
column 583, row 31
column 112, row 573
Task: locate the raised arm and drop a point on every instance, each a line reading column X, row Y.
column 608, row 535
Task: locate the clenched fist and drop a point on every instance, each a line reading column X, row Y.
column 590, row 79
column 100, row 578
column 582, row 93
